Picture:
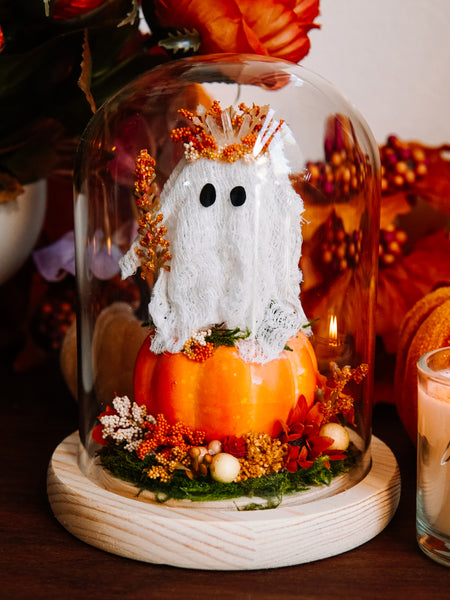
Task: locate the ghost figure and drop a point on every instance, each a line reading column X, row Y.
column 234, row 229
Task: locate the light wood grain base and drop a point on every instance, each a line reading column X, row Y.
column 214, row 538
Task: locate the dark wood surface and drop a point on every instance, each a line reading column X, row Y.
column 40, row 559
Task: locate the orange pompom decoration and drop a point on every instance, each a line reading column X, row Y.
column 425, row 327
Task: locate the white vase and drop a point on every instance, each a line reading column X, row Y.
column 20, row 224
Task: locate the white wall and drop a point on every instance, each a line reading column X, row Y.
column 391, row 59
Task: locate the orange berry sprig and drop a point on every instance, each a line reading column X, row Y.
column 163, row 435
column 153, row 249
column 145, row 175
column 333, row 398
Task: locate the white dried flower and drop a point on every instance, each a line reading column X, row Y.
column 190, row 152
column 127, row 424
column 199, row 337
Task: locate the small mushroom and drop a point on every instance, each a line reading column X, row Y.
column 214, row 447
column 197, row 454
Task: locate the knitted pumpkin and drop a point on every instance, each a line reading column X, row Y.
column 425, row 327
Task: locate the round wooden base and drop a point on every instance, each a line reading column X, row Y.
column 214, row 538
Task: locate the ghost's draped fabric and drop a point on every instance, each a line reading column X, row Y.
column 234, row 256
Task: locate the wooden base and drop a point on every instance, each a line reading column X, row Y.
column 214, row 538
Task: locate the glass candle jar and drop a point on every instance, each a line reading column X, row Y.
column 227, row 216
column 433, row 455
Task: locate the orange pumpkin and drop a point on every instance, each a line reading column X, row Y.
column 425, row 327
column 225, row 395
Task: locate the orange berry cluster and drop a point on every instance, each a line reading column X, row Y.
column 196, row 137
column 50, row 322
column 163, row 434
column 339, row 250
column 391, row 245
column 234, row 151
column 344, row 170
column 401, row 164
column 200, row 143
column 198, row 352
column 339, row 177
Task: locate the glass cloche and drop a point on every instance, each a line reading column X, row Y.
column 226, row 216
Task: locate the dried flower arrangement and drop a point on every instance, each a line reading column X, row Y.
column 173, row 461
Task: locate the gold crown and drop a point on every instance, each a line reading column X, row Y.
column 227, row 134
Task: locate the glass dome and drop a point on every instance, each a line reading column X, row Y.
column 226, row 222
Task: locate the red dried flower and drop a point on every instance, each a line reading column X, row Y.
column 301, row 433
column 97, row 432
column 235, row 446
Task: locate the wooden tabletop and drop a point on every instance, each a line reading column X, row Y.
column 40, row 559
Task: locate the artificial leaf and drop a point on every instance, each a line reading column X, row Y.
column 402, row 285
column 435, row 186
column 393, row 205
column 84, row 81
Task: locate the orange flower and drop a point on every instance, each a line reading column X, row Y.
column 302, row 434
column 268, row 27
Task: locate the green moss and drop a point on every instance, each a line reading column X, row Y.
column 220, row 336
column 272, row 488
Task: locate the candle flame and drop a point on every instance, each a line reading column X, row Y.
column 333, row 332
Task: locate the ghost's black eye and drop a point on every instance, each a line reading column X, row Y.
column 238, row 196
column 208, row 195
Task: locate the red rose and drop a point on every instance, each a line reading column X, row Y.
column 269, row 27
column 235, row 446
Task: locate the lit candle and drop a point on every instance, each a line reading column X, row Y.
column 335, row 348
column 333, row 332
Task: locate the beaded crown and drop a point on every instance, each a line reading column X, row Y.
column 229, row 134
